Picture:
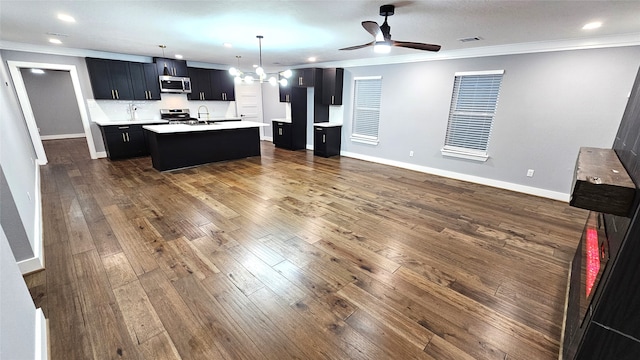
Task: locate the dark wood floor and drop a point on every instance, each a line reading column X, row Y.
column 291, row 256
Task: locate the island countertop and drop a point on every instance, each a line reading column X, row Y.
column 184, row 128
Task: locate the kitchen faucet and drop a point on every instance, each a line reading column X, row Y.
column 131, row 109
column 203, row 113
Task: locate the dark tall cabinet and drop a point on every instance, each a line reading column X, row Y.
column 609, row 326
column 293, row 135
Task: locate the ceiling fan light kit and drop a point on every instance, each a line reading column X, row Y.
column 240, row 77
column 382, row 42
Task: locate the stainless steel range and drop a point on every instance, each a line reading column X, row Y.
column 178, row 116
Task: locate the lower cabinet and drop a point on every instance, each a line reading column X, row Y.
column 282, row 135
column 124, row 141
column 326, row 140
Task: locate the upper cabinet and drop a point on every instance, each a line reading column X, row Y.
column 211, row 84
column 174, row 67
column 110, row 79
column 222, row 85
column 303, row 77
column 332, row 81
column 200, row 84
column 144, row 81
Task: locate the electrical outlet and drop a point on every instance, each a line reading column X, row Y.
column 411, row 153
column 530, row 172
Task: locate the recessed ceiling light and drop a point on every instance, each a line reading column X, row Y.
column 227, row 45
column 178, row 56
column 66, row 18
column 55, row 41
column 37, row 71
column 592, row 25
column 312, row 59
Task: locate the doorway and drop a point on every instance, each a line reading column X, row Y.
column 15, row 68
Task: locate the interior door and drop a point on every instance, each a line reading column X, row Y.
column 249, row 103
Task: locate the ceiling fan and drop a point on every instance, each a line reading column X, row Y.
column 382, row 34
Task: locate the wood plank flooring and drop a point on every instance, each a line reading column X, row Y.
column 291, row 256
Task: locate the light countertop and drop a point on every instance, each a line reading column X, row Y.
column 327, row 124
column 183, row 128
column 282, row 120
column 129, row 122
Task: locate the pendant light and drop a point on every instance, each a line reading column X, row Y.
column 259, row 71
column 165, row 71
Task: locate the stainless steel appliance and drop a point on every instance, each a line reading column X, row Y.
column 175, row 84
column 178, row 116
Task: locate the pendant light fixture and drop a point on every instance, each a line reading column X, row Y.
column 259, row 71
column 165, row 71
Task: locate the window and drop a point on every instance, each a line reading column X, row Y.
column 366, row 109
column 473, row 107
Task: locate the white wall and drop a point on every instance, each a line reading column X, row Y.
column 17, row 313
column 17, row 159
column 550, row 105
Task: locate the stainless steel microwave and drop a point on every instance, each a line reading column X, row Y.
column 175, row 84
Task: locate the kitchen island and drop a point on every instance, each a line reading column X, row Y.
column 175, row 146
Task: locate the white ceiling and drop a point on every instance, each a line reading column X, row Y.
column 296, row 30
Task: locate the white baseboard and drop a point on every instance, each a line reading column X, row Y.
column 33, row 264
column 267, row 138
column 554, row 195
column 62, row 136
column 42, row 336
column 101, row 154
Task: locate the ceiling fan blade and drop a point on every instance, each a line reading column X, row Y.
column 358, row 46
column 372, row 27
column 415, row 45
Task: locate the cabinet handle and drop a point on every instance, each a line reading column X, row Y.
column 332, row 99
column 279, row 131
column 288, row 98
column 300, row 81
column 128, row 140
column 224, row 96
column 123, row 127
column 324, row 140
column 113, row 94
column 117, row 95
column 123, row 138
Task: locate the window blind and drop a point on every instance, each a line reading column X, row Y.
column 366, row 113
column 473, row 107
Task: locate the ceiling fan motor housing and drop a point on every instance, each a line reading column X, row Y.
column 387, row 10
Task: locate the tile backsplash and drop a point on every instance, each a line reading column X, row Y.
column 119, row 110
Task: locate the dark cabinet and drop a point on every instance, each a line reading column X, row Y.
column 282, row 137
column 293, row 135
column 144, row 81
column 200, row 84
column 223, row 85
column 332, row 80
column 326, row 140
column 285, row 93
column 211, row 84
column 110, row 79
column 124, row 141
column 172, row 67
column 304, row 77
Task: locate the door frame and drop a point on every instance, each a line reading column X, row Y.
column 27, row 111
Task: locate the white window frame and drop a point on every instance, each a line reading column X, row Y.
column 462, row 152
column 364, row 138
